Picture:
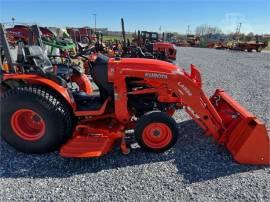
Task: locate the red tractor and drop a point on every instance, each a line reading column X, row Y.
column 83, row 35
column 21, row 33
column 41, row 112
column 150, row 42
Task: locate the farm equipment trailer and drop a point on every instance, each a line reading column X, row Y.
column 249, row 46
column 40, row 113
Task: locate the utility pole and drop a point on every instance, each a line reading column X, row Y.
column 95, row 16
column 238, row 28
column 188, row 29
column 13, row 20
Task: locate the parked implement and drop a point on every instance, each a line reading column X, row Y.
column 193, row 41
column 135, row 94
column 248, row 46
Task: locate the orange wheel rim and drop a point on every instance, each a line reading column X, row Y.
column 157, row 135
column 28, row 124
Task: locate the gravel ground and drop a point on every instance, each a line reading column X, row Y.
column 195, row 169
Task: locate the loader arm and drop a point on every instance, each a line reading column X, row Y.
column 186, row 87
column 222, row 117
column 196, row 103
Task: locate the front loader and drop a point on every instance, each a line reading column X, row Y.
column 134, row 94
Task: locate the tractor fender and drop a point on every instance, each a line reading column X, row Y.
column 39, row 80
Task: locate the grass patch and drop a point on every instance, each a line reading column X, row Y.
column 267, row 48
column 105, row 38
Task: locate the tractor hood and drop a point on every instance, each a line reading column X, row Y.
column 142, row 64
column 163, row 45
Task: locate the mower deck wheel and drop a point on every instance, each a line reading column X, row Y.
column 156, row 132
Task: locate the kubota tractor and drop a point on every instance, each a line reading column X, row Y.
column 147, row 45
column 40, row 112
column 82, row 35
column 150, row 42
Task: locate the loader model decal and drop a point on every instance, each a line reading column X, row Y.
column 156, row 75
column 184, row 88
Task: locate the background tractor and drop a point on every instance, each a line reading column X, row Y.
column 150, row 42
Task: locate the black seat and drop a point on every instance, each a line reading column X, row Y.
column 99, row 73
column 87, row 102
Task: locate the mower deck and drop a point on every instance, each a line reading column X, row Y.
column 93, row 141
column 86, row 146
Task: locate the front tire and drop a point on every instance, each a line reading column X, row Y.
column 156, row 132
column 34, row 119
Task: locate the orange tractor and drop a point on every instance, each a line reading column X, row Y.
column 150, row 42
column 40, row 112
column 147, row 45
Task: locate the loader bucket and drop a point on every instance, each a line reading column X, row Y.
column 243, row 134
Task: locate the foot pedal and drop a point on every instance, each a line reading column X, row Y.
column 86, row 146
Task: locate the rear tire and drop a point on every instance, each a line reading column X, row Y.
column 85, row 40
column 35, row 119
column 156, row 132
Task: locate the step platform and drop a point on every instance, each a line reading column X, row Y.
column 87, row 146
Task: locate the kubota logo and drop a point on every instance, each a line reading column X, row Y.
column 156, row 75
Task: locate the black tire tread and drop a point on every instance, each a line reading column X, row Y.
column 53, row 102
